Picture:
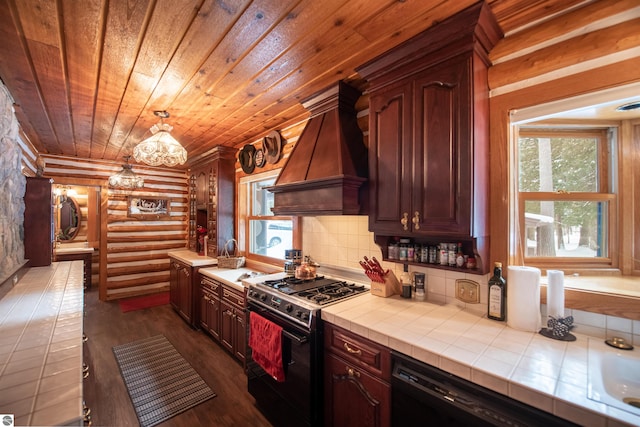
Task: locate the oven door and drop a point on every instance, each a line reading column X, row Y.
column 297, row 401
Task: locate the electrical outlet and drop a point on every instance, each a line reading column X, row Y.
column 468, row 291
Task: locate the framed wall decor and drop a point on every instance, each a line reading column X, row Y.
column 148, row 207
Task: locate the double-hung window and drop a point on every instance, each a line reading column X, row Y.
column 267, row 236
column 566, row 200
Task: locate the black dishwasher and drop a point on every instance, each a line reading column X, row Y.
column 423, row 395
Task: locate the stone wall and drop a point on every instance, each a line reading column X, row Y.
column 12, row 188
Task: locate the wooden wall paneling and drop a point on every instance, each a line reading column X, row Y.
column 93, row 216
column 38, row 132
column 195, row 97
column 207, row 31
column 116, row 65
column 593, row 16
column 135, row 262
column 305, row 67
column 633, row 179
column 274, row 48
column 131, row 255
column 159, row 34
column 43, row 43
column 513, row 15
column 102, row 269
column 573, row 52
column 84, row 46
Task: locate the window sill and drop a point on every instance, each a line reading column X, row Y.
column 610, row 295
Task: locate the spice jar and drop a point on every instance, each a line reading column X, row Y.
column 402, row 251
column 444, row 254
column 392, row 250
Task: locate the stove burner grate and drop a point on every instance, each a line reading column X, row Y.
column 320, row 290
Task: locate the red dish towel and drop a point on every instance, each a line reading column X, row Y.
column 265, row 340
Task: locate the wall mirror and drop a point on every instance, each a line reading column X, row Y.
column 69, row 218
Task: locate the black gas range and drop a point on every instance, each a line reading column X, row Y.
column 300, row 300
column 295, row 306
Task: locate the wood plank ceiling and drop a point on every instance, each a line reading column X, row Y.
column 87, row 75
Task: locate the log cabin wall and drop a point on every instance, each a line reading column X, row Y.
column 131, row 256
column 590, row 49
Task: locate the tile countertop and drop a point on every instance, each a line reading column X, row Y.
column 234, row 276
column 41, row 346
column 192, row 258
column 545, row 373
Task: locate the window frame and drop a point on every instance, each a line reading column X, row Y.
column 245, row 215
column 607, row 184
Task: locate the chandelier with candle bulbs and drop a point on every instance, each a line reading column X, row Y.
column 160, row 148
column 126, row 178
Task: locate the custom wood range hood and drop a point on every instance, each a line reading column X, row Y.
column 327, row 170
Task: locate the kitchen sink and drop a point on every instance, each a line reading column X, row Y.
column 614, row 376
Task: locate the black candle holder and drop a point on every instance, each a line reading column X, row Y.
column 558, row 328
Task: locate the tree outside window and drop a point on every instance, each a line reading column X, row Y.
column 564, row 193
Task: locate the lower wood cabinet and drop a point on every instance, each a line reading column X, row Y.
column 222, row 315
column 184, row 290
column 233, row 334
column 357, row 380
column 210, row 307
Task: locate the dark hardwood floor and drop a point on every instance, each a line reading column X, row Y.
column 104, row 390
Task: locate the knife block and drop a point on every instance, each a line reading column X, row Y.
column 391, row 286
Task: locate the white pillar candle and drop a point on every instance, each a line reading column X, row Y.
column 555, row 293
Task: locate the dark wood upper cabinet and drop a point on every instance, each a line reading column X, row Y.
column 212, row 199
column 429, row 135
column 38, row 222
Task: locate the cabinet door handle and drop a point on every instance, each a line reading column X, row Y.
column 353, row 373
column 351, row 350
column 206, row 298
column 416, row 220
column 405, row 221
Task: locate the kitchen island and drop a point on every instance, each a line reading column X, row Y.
column 547, row 374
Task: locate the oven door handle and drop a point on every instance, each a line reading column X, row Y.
column 294, row 337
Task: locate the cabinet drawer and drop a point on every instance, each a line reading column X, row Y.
column 210, row 285
column 365, row 354
column 234, row 297
column 207, row 294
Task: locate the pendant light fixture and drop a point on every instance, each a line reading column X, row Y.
column 126, row 178
column 160, row 148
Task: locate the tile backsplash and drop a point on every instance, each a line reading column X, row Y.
column 342, row 241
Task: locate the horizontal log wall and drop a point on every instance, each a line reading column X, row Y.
column 132, row 252
column 593, row 48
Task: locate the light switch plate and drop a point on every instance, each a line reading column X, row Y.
column 468, row 291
